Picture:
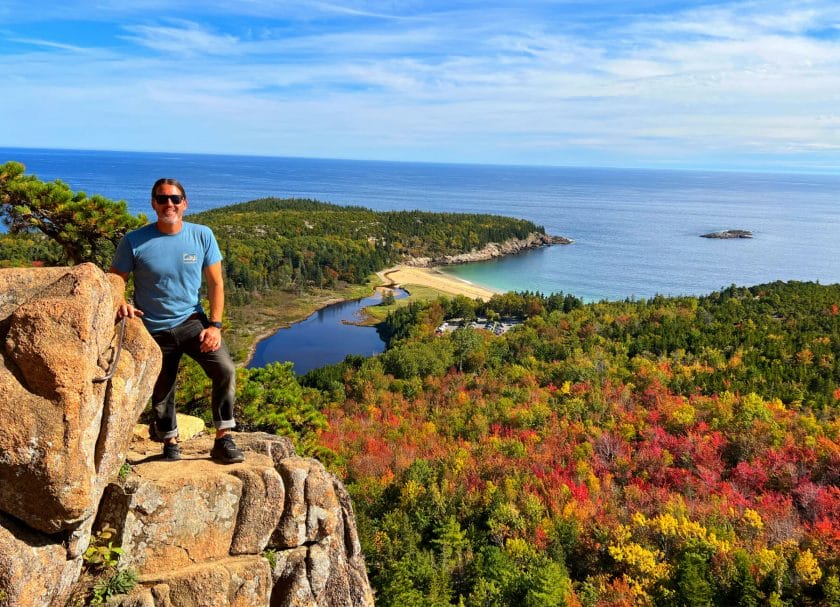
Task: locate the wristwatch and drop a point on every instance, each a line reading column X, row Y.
column 216, row 323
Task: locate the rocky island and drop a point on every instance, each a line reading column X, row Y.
column 725, row 234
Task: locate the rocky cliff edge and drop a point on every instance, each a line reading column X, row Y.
column 276, row 530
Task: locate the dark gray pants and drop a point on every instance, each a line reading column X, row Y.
column 218, row 366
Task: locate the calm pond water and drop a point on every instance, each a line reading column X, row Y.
column 324, row 338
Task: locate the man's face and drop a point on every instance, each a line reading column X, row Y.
column 167, row 211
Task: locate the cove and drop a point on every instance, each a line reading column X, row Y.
column 324, row 338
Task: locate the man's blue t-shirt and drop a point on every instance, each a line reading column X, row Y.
column 167, row 271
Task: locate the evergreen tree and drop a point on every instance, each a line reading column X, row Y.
column 86, row 228
column 694, row 588
column 549, row 587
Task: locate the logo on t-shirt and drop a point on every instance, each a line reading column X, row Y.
column 190, row 258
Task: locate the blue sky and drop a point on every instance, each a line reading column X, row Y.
column 732, row 85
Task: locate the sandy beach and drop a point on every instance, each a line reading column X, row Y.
column 405, row 276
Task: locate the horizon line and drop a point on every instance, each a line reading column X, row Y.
column 682, row 168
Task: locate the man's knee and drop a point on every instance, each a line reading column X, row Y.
column 222, row 370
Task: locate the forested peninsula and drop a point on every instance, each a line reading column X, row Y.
column 293, row 243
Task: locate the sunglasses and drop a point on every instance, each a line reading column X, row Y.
column 163, row 198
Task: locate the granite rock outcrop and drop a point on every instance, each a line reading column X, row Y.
column 276, row 529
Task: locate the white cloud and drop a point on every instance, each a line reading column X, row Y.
column 182, row 38
column 50, row 44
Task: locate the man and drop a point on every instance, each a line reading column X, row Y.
column 168, row 259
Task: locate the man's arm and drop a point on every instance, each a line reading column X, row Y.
column 215, row 291
column 125, row 309
column 211, row 337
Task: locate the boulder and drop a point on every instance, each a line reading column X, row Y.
column 188, row 427
column 66, row 434
column 34, row 569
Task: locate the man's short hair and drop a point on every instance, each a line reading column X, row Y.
column 168, row 181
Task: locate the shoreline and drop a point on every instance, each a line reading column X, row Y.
column 402, row 276
column 259, row 337
column 426, row 272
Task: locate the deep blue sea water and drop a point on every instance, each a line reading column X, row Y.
column 636, row 232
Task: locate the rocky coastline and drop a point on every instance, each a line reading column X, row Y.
column 534, row 240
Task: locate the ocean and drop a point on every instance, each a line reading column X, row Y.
column 636, row 232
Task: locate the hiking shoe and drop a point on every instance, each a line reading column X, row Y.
column 224, row 450
column 171, row 452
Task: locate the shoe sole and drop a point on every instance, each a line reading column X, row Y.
column 227, row 460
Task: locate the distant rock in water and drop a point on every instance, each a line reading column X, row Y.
column 729, row 234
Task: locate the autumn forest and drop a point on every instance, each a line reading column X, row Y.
column 678, row 451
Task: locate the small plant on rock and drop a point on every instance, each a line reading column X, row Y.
column 100, row 579
column 120, row 582
column 271, row 556
column 100, row 554
column 125, row 470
